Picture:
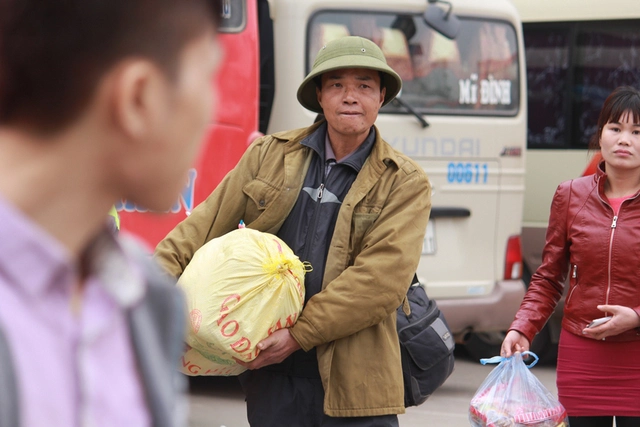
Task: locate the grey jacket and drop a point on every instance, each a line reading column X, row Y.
column 157, row 325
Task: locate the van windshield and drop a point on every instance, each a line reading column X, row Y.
column 475, row 74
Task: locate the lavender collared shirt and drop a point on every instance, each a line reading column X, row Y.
column 74, row 367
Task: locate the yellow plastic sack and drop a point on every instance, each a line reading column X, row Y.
column 195, row 363
column 240, row 288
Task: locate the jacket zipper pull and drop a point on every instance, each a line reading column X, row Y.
column 320, row 191
column 615, row 219
column 575, row 271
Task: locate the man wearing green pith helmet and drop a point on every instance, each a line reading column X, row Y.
column 357, row 210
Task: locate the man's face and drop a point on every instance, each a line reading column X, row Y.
column 187, row 105
column 350, row 99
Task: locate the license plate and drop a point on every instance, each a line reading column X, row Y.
column 429, row 243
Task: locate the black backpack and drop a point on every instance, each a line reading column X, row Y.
column 426, row 345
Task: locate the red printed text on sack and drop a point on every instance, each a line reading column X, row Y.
column 194, row 369
column 229, row 328
column 289, row 322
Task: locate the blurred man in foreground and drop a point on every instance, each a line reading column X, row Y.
column 99, row 100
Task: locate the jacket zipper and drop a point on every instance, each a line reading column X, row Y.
column 614, row 223
column 312, row 230
column 574, row 275
column 613, row 232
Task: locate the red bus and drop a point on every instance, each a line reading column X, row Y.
column 234, row 126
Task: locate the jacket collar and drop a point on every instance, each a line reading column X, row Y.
column 600, row 170
column 600, row 177
column 382, row 154
column 318, row 140
column 37, row 263
column 294, row 136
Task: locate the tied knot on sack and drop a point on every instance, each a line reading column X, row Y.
column 281, row 265
column 284, row 262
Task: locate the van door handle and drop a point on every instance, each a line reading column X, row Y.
column 449, row 212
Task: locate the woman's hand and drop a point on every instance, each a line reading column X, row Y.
column 514, row 342
column 623, row 319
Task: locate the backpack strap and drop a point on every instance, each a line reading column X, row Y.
column 9, row 413
column 157, row 325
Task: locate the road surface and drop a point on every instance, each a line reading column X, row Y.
column 218, row 401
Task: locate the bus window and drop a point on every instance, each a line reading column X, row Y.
column 576, row 53
column 547, row 58
column 608, row 55
column 571, row 68
column 475, row 74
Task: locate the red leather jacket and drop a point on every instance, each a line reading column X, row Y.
column 599, row 250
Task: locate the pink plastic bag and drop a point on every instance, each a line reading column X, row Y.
column 511, row 396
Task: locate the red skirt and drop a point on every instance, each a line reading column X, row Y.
column 598, row 378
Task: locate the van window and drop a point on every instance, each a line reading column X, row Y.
column 571, row 68
column 475, row 74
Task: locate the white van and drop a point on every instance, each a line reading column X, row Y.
column 461, row 115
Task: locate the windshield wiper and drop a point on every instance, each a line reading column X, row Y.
column 410, row 109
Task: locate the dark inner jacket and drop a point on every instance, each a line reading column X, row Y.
column 309, row 227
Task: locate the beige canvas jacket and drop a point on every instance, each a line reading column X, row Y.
column 373, row 255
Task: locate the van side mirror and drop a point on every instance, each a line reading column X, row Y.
column 443, row 21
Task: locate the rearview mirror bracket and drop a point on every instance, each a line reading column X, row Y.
column 443, row 21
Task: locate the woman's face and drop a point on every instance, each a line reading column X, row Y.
column 620, row 143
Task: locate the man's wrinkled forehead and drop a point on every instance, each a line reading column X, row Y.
column 362, row 74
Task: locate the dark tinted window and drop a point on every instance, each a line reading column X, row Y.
column 547, row 57
column 571, row 68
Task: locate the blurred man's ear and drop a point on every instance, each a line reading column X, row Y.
column 138, row 95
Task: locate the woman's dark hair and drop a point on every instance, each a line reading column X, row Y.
column 54, row 52
column 622, row 100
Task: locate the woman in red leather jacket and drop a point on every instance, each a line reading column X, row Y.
column 594, row 236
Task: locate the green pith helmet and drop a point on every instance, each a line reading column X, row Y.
column 348, row 52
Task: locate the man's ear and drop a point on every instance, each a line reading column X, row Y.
column 318, row 93
column 137, row 93
column 383, row 92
